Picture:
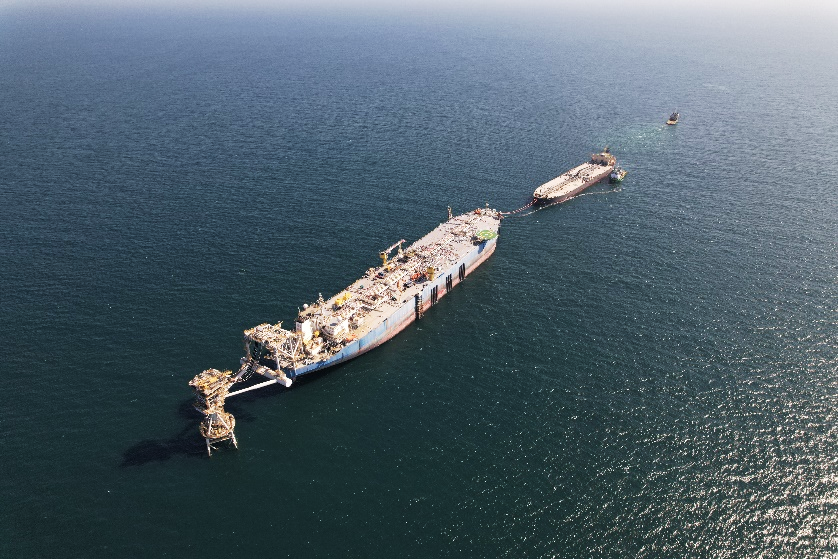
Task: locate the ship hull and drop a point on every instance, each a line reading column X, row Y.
column 410, row 310
column 561, row 198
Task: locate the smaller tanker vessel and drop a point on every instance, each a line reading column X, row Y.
column 576, row 180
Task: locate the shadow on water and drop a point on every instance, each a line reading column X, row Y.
column 188, row 442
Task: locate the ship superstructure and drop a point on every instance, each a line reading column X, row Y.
column 368, row 312
column 618, row 174
column 576, row 180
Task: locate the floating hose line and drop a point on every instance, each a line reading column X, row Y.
column 516, row 213
column 522, row 208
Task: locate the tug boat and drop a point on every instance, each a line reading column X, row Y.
column 673, row 118
column 617, row 175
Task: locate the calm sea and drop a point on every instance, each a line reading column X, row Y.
column 645, row 371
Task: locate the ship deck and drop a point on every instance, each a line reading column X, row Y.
column 440, row 248
column 571, row 180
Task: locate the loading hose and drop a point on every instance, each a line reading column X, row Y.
column 522, row 208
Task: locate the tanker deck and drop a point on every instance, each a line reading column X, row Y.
column 576, row 180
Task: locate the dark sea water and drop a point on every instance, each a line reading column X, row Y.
column 644, row 371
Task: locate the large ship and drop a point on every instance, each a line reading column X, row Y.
column 576, row 180
column 363, row 316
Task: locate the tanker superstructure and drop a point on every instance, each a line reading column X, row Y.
column 576, row 180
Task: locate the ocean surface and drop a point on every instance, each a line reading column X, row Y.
column 649, row 370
